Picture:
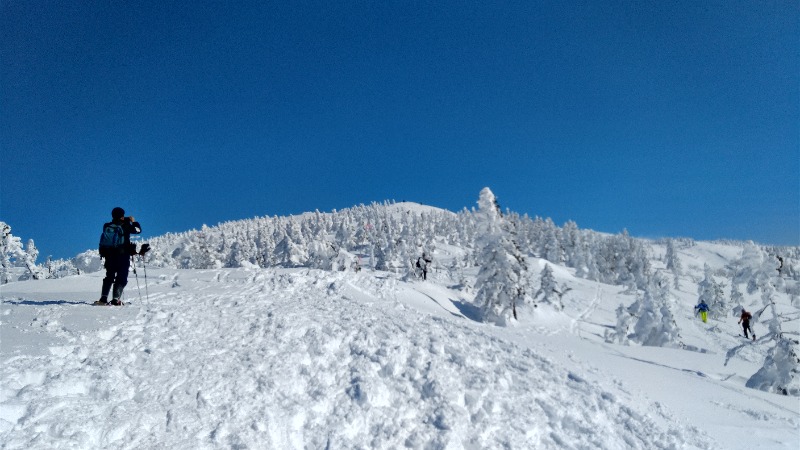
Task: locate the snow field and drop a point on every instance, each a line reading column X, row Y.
column 299, row 359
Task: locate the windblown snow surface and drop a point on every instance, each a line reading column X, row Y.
column 298, row 358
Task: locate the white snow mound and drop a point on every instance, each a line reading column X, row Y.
column 293, row 359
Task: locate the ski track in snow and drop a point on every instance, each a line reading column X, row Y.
column 304, row 359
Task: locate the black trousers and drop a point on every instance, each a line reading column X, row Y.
column 117, row 267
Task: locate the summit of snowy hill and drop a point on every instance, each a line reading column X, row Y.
column 413, row 207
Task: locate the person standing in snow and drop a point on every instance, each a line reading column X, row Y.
column 423, row 263
column 118, row 258
column 702, row 308
column 745, row 321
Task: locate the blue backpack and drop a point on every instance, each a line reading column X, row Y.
column 112, row 240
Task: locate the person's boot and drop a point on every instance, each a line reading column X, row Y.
column 102, row 302
column 116, row 302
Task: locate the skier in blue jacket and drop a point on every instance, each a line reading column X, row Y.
column 702, row 308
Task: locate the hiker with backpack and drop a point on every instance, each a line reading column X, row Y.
column 745, row 321
column 117, row 249
column 422, row 264
column 702, row 308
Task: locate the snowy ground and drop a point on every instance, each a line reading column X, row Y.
column 279, row 358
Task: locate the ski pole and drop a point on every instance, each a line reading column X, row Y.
column 146, row 292
column 142, row 253
column 137, row 278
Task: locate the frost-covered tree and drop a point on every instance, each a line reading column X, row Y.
column 571, row 242
column 671, row 258
column 655, row 324
column 10, row 248
column 393, row 238
column 12, row 254
column 322, row 254
column 622, row 260
column 549, row 291
column 737, row 299
column 780, row 373
column 781, row 370
column 673, row 263
column 575, row 250
column 501, row 278
column 203, row 254
column 749, row 268
column 291, row 251
column 720, row 306
column 710, row 292
column 623, row 327
column 553, row 250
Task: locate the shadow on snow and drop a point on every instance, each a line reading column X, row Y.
column 42, row 302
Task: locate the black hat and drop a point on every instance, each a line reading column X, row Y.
column 117, row 213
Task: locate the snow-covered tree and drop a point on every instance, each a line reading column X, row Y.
column 502, row 273
column 671, row 258
column 737, row 299
column 322, row 254
column 780, row 373
column 781, row 370
column 203, row 254
column 549, row 291
column 749, row 268
column 12, row 254
column 711, row 292
column 394, row 238
column 622, row 260
column 673, row 263
column 553, row 250
column 655, row 325
column 291, row 251
column 623, row 327
column 10, row 248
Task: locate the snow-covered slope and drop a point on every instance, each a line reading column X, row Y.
column 299, row 358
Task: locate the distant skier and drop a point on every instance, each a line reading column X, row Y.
column 745, row 321
column 702, row 308
column 116, row 248
column 422, row 264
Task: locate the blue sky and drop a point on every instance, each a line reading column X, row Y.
column 666, row 118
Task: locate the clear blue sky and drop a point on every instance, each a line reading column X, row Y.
column 675, row 118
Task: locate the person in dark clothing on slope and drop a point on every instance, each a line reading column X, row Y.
column 118, row 258
column 423, row 264
column 745, row 321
